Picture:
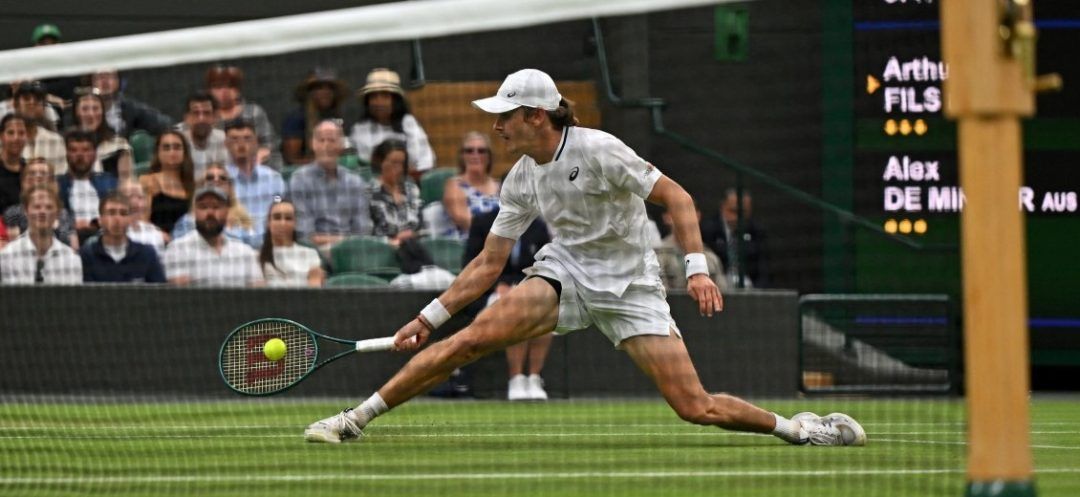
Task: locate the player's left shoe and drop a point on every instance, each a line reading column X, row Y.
column 335, row 429
column 836, row 429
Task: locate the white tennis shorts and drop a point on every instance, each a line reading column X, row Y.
column 642, row 309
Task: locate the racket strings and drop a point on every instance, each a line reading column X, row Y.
column 245, row 367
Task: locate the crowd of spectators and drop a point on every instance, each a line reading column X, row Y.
column 225, row 197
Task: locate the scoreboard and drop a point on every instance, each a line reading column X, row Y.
column 905, row 157
column 903, row 161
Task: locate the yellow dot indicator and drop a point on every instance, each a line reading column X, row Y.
column 905, row 127
column 890, row 127
column 905, row 226
column 920, row 127
column 920, row 226
column 890, row 226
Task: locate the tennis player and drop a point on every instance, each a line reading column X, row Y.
column 599, row 270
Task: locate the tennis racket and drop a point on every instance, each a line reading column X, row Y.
column 247, row 370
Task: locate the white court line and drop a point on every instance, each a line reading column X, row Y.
column 673, row 424
column 940, row 442
column 574, row 475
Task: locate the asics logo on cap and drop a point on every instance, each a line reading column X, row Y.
column 511, row 94
column 573, row 174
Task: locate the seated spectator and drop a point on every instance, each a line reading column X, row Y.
column 81, row 189
column 141, row 230
column 671, row 257
column 395, row 198
column 115, row 258
column 384, row 115
column 170, row 182
column 207, row 142
column 38, row 172
column 284, row 262
column 52, row 108
column 3, row 234
column 473, row 191
column 524, row 384
column 12, row 141
column 331, row 201
column 320, row 96
column 239, row 225
column 746, row 260
column 206, row 257
column 256, row 185
column 225, row 83
column 39, row 257
column 113, row 151
column 125, row 115
column 41, row 140
column 62, row 87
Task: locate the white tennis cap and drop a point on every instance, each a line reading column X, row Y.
column 525, row 88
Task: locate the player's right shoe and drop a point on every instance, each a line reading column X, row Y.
column 335, row 429
column 834, row 429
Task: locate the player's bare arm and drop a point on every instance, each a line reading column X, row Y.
column 680, row 205
column 475, row 279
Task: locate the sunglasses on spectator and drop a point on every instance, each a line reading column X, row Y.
column 216, row 178
column 172, row 146
column 475, row 150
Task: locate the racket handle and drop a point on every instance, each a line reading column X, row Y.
column 375, row 344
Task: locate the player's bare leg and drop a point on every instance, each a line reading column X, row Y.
column 666, row 361
column 531, row 309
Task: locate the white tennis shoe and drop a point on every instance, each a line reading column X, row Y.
column 806, row 420
column 535, row 388
column 518, row 388
column 833, row 429
column 335, row 429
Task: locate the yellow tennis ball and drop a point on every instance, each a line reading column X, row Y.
column 274, row 349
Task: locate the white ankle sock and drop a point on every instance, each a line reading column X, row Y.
column 368, row 410
column 786, row 429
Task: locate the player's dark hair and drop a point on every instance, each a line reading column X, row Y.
column 563, row 116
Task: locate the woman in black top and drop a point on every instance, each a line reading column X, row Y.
column 171, row 181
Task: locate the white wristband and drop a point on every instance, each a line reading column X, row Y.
column 435, row 314
column 695, row 264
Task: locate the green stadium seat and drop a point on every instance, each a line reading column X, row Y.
column 142, row 146
column 363, row 254
column 351, row 161
column 356, row 280
column 365, row 172
column 141, row 168
column 446, row 252
column 433, row 181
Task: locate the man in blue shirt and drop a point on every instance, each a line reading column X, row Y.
column 256, row 185
column 113, row 257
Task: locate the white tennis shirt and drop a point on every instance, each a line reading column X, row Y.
column 592, row 196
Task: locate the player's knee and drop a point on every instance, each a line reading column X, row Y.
column 467, row 347
column 695, row 410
